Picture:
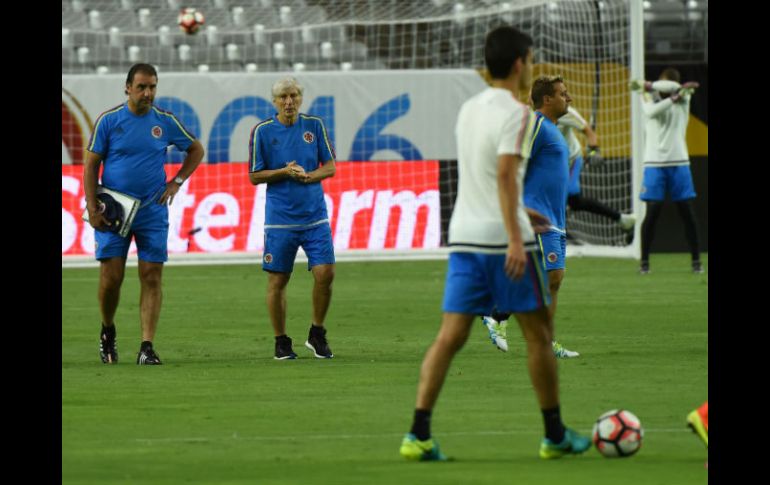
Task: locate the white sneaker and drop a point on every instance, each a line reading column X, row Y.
column 562, row 353
column 497, row 332
column 627, row 222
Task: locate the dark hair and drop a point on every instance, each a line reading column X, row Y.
column 542, row 87
column 143, row 68
column 503, row 46
column 671, row 74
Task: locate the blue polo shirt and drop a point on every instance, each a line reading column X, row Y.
column 291, row 204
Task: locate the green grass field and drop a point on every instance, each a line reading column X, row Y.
column 222, row 411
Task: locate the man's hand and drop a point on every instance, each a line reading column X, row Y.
column 640, row 85
column 515, row 260
column 540, row 223
column 594, row 157
column 296, row 171
column 96, row 215
column 167, row 197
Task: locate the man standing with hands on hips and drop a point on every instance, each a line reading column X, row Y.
column 131, row 141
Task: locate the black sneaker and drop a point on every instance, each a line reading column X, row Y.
column 108, row 349
column 148, row 357
column 283, row 350
column 697, row 267
column 316, row 341
column 644, row 268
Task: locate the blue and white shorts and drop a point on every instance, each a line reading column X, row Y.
column 150, row 229
column 281, row 247
column 477, row 283
column 675, row 181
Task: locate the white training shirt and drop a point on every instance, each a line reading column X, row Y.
column 489, row 124
column 568, row 125
column 665, row 130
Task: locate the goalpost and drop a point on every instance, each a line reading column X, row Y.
column 596, row 45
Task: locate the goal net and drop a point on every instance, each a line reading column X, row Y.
column 386, row 76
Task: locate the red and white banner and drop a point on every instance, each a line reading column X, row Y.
column 371, row 205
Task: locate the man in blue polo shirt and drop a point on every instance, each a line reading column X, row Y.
column 291, row 153
column 545, row 190
column 131, row 140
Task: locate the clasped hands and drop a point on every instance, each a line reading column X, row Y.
column 297, row 172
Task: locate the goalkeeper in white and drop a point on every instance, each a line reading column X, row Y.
column 569, row 124
column 666, row 106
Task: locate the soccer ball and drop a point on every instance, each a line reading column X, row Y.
column 618, row 433
column 190, row 20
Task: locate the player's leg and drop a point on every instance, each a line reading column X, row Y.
column 111, row 273
column 554, row 246
column 683, row 193
column 150, row 300
column 278, row 261
column 466, row 294
column 529, row 298
column 698, row 421
column 111, row 251
column 653, row 193
column 418, row 444
column 317, row 244
column 150, row 230
column 578, row 202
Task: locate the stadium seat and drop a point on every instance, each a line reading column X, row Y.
column 89, row 38
column 259, row 54
column 256, row 15
column 349, row 51
column 237, row 37
column 157, row 55
column 151, row 4
column 142, row 39
column 123, row 19
column 106, row 54
column 74, row 20
column 208, row 54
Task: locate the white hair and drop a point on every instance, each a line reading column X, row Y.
column 285, row 83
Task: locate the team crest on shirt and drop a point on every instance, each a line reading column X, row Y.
column 268, row 258
column 552, row 257
column 157, row 131
column 308, row 137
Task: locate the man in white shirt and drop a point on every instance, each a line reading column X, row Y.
column 570, row 124
column 494, row 259
column 666, row 106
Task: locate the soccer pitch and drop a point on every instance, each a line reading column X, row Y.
column 222, row 411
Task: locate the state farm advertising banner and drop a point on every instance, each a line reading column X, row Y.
column 369, row 115
column 371, row 205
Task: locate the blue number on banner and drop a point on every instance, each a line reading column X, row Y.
column 369, row 138
column 224, row 125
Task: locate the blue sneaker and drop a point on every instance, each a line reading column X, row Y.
column 414, row 449
column 572, row 444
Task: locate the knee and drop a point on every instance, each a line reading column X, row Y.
column 150, row 279
column 554, row 282
column 325, row 276
column 112, row 281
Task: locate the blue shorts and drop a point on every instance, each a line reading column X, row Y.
column 554, row 248
column 150, row 229
column 573, row 185
column 675, row 181
column 281, row 247
column 477, row 283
